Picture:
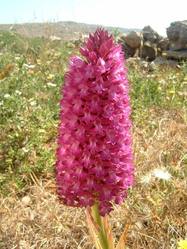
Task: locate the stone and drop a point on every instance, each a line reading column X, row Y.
column 177, row 35
column 162, row 61
column 149, row 51
column 128, row 51
column 133, row 39
column 163, row 44
column 150, row 35
column 176, row 55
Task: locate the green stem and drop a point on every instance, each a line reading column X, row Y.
column 102, row 233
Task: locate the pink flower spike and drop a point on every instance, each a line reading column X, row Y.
column 94, row 154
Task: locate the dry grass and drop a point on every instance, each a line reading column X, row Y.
column 155, row 208
column 30, row 214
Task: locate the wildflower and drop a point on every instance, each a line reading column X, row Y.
column 50, row 76
column 7, row 96
column 154, row 174
column 17, row 58
column 18, row 92
column 38, row 61
column 33, row 103
column 161, row 174
column 54, row 38
column 25, row 150
column 29, row 66
column 50, row 84
column 146, row 179
column 94, row 155
column 182, row 244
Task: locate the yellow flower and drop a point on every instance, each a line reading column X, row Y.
column 182, row 244
column 172, row 91
column 38, row 61
column 50, row 76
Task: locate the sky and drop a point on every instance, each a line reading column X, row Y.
column 118, row 13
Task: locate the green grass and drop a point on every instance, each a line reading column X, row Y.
column 29, row 103
column 29, row 111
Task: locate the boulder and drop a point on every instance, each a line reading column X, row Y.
column 149, row 51
column 129, row 52
column 177, row 35
column 176, row 55
column 133, row 39
column 162, row 61
column 163, row 44
column 150, row 35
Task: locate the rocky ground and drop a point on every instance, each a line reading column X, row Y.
column 149, row 45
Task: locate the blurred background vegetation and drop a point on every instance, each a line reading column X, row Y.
column 31, row 76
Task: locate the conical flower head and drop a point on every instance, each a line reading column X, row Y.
column 94, row 155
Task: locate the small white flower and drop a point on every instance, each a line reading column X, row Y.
column 51, row 84
column 54, row 38
column 161, row 174
column 29, row 66
column 162, row 81
column 18, row 92
column 146, row 179
column 25, row 149
column 7, row 96
column 33, row 103
column 1, row 103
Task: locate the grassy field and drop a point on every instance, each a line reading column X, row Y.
column 31, row 76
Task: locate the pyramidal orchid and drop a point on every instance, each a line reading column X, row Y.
column 94, row 156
